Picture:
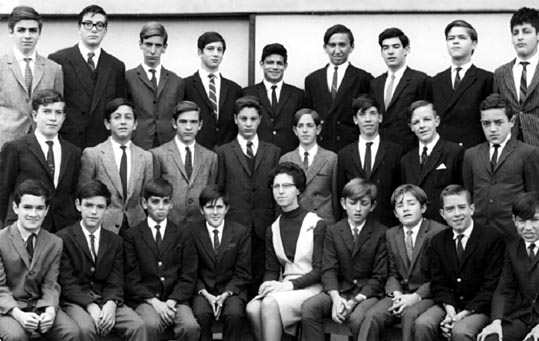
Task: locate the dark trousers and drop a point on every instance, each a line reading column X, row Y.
column 232, row 316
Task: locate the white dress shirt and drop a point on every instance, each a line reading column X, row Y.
column 363, row 148
column 430, row 146
column 312, row 153
column 211, row 234
column 117, row 150
column 56, row 150
column 466, row 237
column 341, row 70
column 530, row 71
column 415, row 231
column 84, row 52
column 22, row 63
column 181, row 147
column 204, row 77
column 464, row 69
column 162, row 227
column 398, row 76
column 269, row 90
column 97, row 235
column 149, row 74
column 243, row 144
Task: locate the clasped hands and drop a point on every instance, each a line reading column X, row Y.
column 32, row 322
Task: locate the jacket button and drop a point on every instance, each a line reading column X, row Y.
column 160, row 263
column 355, row 281
column 92, row 269
column 190, row 201
column 157, row 295
column 162, row 279
column 461, row 298
column 459, row 280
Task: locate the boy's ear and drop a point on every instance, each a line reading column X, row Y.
column 373, row 206
column 144, row 203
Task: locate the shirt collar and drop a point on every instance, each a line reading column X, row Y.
column 414, row 229
column 220, row 227
column 466, row 233
column 25, row 234
column 268, row 85
column 206, row 75
column 243, row 142
column 375, row 141
column 360, row 227
column 42, row 140
column 20, row 57
column 97, row 232
column 398, row 74
column 147, row 68
column 152, row 223
column 502, row 145
column 464, row 67
column 430, row 145
column 533, row 60
column 181, row 146
column 312, row 151
column 116, row 145
column 536, row 246
column 342, row 68
column 84, row 52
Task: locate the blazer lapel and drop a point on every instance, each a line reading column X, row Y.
column 147, row 236
column 35, row 149
column 416, row 167
column 507, row 150
column 380, row 155
column 39, row 68
column 167, row 240
column 533, row 84
column 347, row 236
column 18, row 244
column 199, row 86
column 82, row 71
column 419, row 240
column 401, row 247
column 263, row 98
column 323, row 90
column 175, row 155
column 104, row 70
column 143, row 77
column 223, row 92
column 446, row 86
column 104, row 245
column 137, row 170
column 283, row 98
column 364, row 235
column 507, row 71
column 471, row 245
column 199, row 159
column 354, row 151
column 236, row 149
column 16, row 70
column 262, row 147
column 225, row 240
column 202, row 234
column 109, row 164
column 401, row 86
column 66, row 156
column 469, row 78
column 318, row 162
column 347, row 81
column 485, row 157
column 163, row 79
column 432, row 160
column 80, row 239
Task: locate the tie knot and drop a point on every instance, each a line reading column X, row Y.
column 157, row 227
column 91, row 54
column 123, row 148
column 152, row 71
column 458, row 69
column 249, row 144
column 27, row 60
column 392, row 76
column 92, row 237
column 409, row 232
column 368, row 144
column 459, row 237
column 496, row 146
column 33, row 236
column 216, row 231
column 531, row 246
column 187, row 149
column 211, row 76
column 336, row 68
column 524, row 64
column 50, row 143
column 273, row 87
column 306, row 154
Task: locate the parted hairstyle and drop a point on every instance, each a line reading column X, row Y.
column 208, row 38
column 93, row 188
column 525, row 15
column 45, row 97
column 526, row 205
column 159, row 187
column 92, row 9
column 496, row 101
column 419, row 104
column 31, row 187
column 306, row 111
column 211, row 194
column 153, row 29
column 464, row 24
column 393, row 32
column 274, row 48
column 289, row 168
column 414, row 190
column 358, row 188
column 339, row 28
column 247, row 102
column 185, row 106
column 364, row 102
column 23, row 13
column 113, row 105
column 455, row 190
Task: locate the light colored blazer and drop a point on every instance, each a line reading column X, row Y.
column 320, row 195
column 24, row 283
column 169, row 165
column 98, row 163
column 15, row 101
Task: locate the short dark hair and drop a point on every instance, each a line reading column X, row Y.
column 45, row 97
column 496, row 101
column 289, row 168
column 393, row 32
column 416, row 191
column 113, row 105
column 93, row 188
column 153, row 29
column 247, row 102
column 419, row 104
column 23, row 13
column 185, row 106
column 159, row 187
column 274, row 48
column 464, row 24
column 526, row 205
column 93, row 10
column 358, row 188
column 525, row 15
column 211, row 194
column 306, row 111
column 364, row 102
column 208, row 38
column 455, row 190
column 32, row 187
column 339, row 28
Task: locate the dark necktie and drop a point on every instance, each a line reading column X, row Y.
column 92, row 246
column 409, row 245
column 523, row 82
column 457, row 78
column 389, row 90
column 213, row 94
column 368, row 161
column 250, row 152
column 216, row 243
column 424, row 156
column 154, row 79
column 30, row 245
column 28, row 78
column 494, row 159
column 188, row 162
column 334, row 83
column 531, row 252
column 306, row 160
column 460, row 248
column 91, row 63
column 274, row 99
column 123, row 171
column 356, row 234
column 50, row 158
column 158, row 237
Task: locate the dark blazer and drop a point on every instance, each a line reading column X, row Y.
column 154, row 107
column 230, row 268
column 413, row 86
column 83, row 281
column 471, row 284
column 87, row 93
column 493, row 192
column 276, row 127
column 413, row 277
column 338, row 128
column 355, row 268
column 166, row 273
column 385, row 175
column 251, row 200
column 23, row 159
column 214, row 133
column 443, row 168
column 459, row 109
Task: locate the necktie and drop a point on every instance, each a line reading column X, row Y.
column 424, row 156
column 28, row 78
column 123, row 171
column 30, row 245
column 50, row 158
column 409, row 245
column 154, row 79
column 367, row 162
column 334, row 83
column 531, row 252
column 494, row 159
column 213, row 94
column 188, row 162
column 523, row 82
column 457, row 78
column 216, row 243
column 158, row 237
column 460, row 248
column 274, row 99
column 250, row 152
column 91, row 63
column 92, row 246
column 306, row 160
column 389, row 90
column 356, row 234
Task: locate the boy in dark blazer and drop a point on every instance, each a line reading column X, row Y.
column 224, row 267
column 160, row 267
column 354, row 265
column 92, row 272
column 435, row 163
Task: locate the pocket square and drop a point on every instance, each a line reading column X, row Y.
column 442, row 166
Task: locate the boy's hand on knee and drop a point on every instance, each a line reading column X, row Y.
column 495, row 327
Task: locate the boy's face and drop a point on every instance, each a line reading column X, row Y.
column 496, row 125
column 187, row 126
column 528, row 229
column 368, row 121
column 285, row 192
column 409, row 210
column 273, row 67
column 31, row 212
column 306, row 130
column 247, row 120
column 424, row 123
column 525, row 39
column 357, row 210
column 49, row 118
column 157, row 207
column 394, row 53
column 459, row 43
column 214, row 212
column 92, row 211
column 152, row 49
column 25, row 36
column 122, row 123
column 211, row 55
column 457, row 212
column 338, row 48
column 92, row 38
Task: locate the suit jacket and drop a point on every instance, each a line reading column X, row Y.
column 25, row 283
column 443, row 168
column 98, row 163
column 413, row 86
column 87, row 93
column 385, row 175
column 84, row 281
column 527, row 126
column 409, row 277
column 494, row 191
column 154, row 107
column 214, row 132
column 230, row 268
column 23, row 159
column 276, row 127
column 459, row 109
column 338, row 128
column 168, row 272
column 358, row 267
column 15, row 100
column 320, row 194
column 169, row 165
column 251, row 199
